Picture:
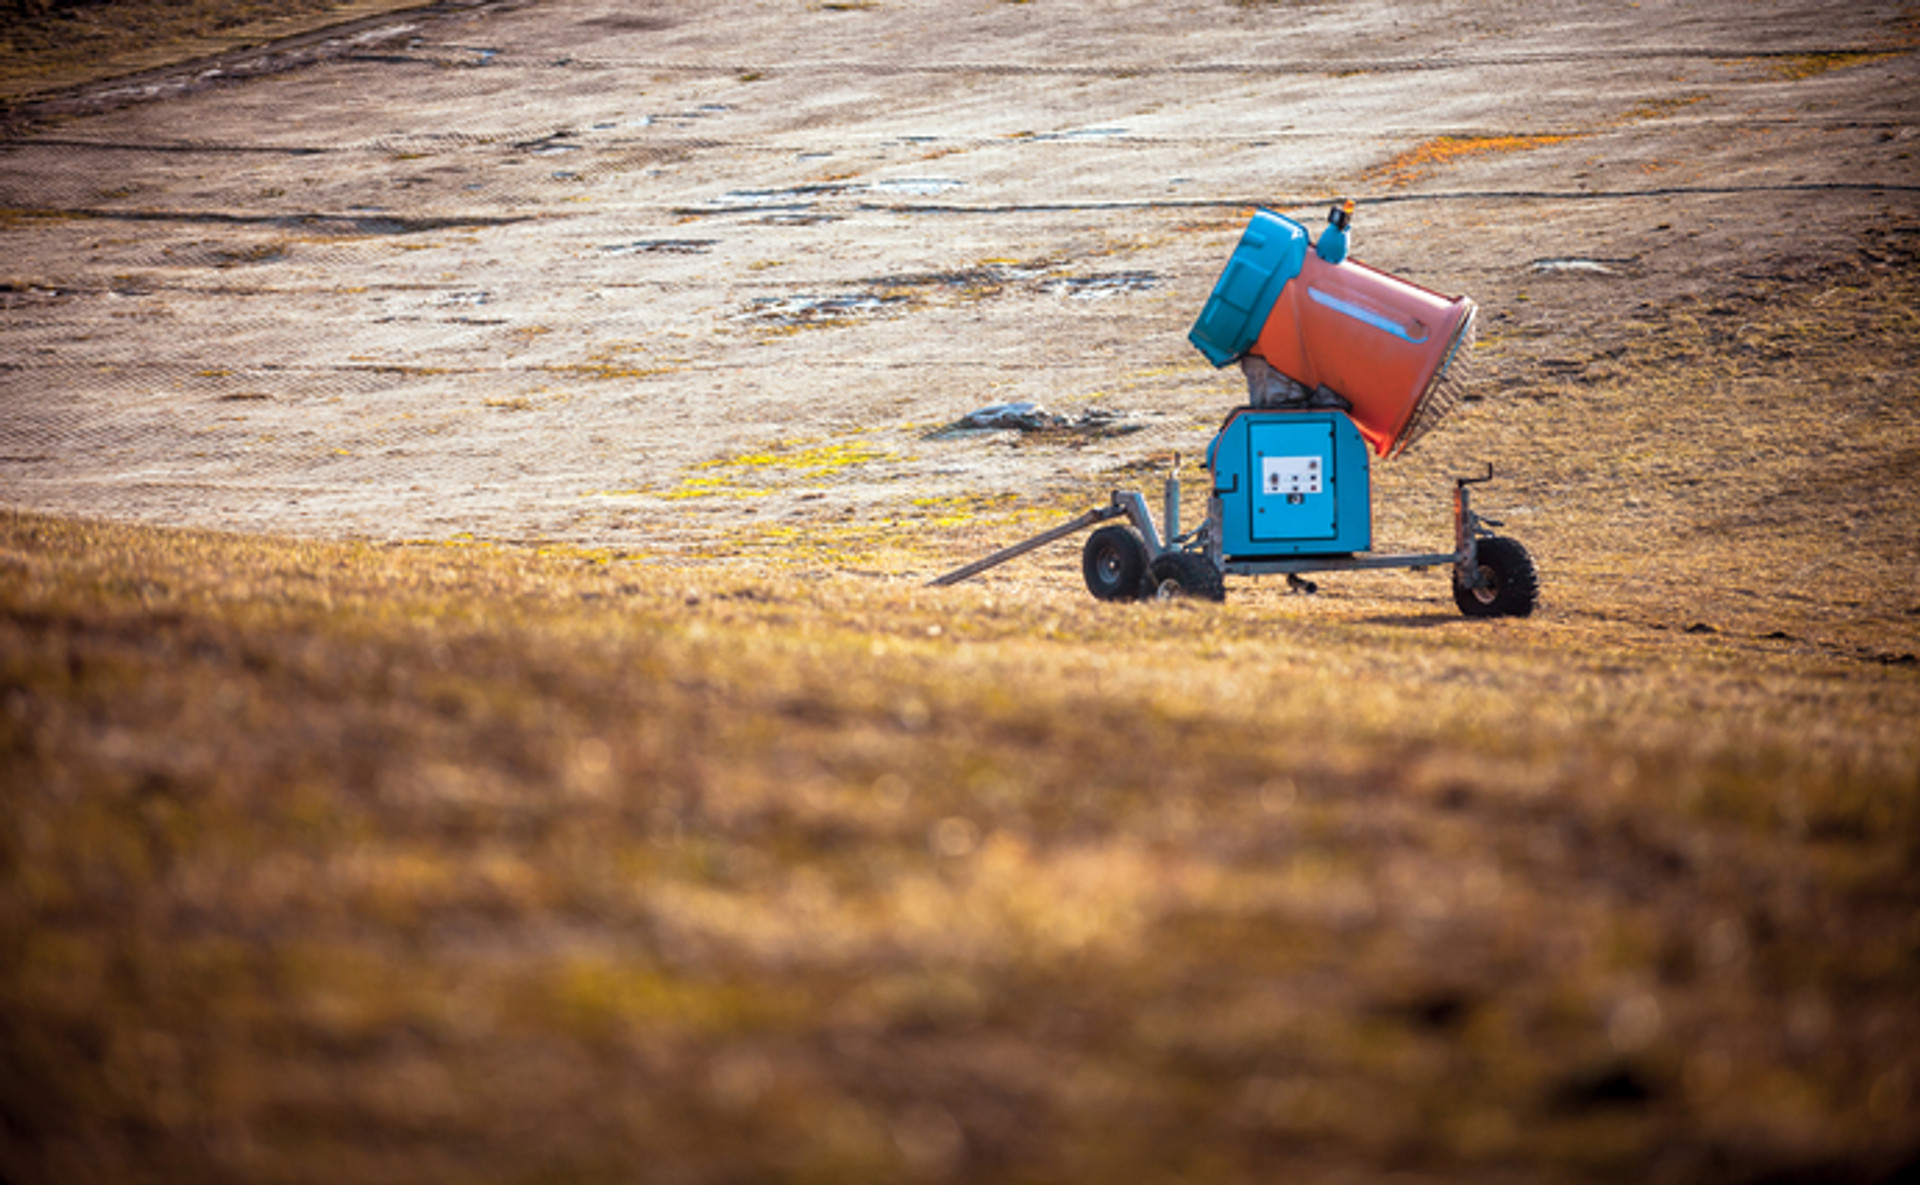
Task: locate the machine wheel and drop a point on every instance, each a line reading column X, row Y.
column 1187, row 574
column 1114, row 563
column 1511, row 586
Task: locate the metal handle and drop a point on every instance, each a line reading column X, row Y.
column 1474, row 481
column 1100, row 515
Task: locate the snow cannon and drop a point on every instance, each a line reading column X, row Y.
column 1313, row 328
column 1338, row 357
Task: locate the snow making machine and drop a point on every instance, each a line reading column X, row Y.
column 1343, row 363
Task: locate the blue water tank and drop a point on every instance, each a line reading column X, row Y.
column 1271, row 252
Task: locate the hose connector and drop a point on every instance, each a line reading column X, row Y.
column 1332, row 246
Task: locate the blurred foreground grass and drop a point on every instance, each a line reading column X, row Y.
column 329, row 862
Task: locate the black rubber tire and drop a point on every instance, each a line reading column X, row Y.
column 1187, row 574
column 1513, row 587
column 1115, row 563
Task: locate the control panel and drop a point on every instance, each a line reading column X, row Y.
column 1291, row 483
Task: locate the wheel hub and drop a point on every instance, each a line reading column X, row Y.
column 1487, row 589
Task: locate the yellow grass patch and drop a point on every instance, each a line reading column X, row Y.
column 1811, row 65
column 1425, row 159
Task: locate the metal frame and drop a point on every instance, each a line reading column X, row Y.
column 1468, row 529
column 1098, row 515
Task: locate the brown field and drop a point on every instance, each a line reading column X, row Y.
column 702, row 843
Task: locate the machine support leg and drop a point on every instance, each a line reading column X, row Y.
column 1466, row 529
column 1172, row 515
column 1134, row 506
column 1100, row 515
column 1462, row 525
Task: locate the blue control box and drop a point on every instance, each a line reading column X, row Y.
column 1291, row 483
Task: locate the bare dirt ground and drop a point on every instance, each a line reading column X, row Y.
column 608, row 276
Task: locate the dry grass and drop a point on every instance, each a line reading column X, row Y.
column 1811, row 65
column 1430, row 156
column 328, row 862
